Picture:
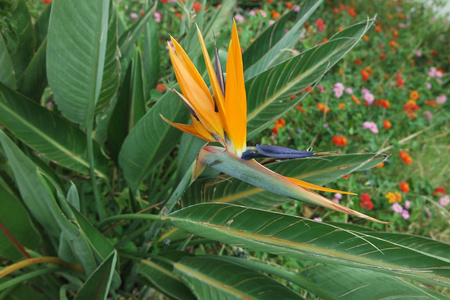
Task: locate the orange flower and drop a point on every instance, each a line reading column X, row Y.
column 387, row 124
column 356, row 100
column 366, row 38
column 404, row 187
column 365, row 75
column 380, row 165
column 341, row 105
column 393, row 44
column 414, row 95
column 289, row 5
column 323, row 107
column 179, row 15
column 369, row 70
column 383, row 56
column 401, row 16
column 335, row 10
column 378, row 28
column 406, row 158
column 275, row 14
column 339, row 141
column 410, row 107
column 395, row 34
column 394, row 197
column 197, row 7
column 383, row 103
column 269, row 1
column 399, row 80
column 274, row 130
column 300, row 108
column 279, row 123
column 352, row 12
column 160, row 87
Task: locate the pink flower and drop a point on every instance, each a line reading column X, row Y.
column 296, row 8
column 371, row 126
column 407, row 204
column 428, row 85
column 133, row 15
column 321, row 88
column 435, row 73
column 441, row 99
column 338, row 89
column 349, row 91
column 429, row 115
column 252, row 13
column 271, row 22
column 157, row 16
column 369, row 98
column 405, row 214
column 338, row 196
column 318, row 219
column 444, row 200
column 419, row 53
column 263, row 13
column 365, row 91
column 239, row 18
column 396, row 207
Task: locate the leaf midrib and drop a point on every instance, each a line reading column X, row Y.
column 59, row 146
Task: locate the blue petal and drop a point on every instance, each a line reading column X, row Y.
column 282, row 152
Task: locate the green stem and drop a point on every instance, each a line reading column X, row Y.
column 90, row 152
column 131, row 217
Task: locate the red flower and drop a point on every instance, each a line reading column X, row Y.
column 279, row 123
column 346, row 176
column 399, row 80
column 339, row 141
column 366, row 202
column 320, row 25
column 289, row 5
column 197, row 7
column 365, row 197
column 160, row 87
column 404, row 187
column 365, row 75
column 387, row 124
column 405, row 157
column 275, row 130
column 352, row 12
column 46, row 1
column 358, row 61
column 439, row 190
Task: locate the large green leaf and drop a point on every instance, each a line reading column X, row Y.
column 306, row 239
column 316, row 170
column 41, row 25
column 77, row 38
column 22, row 52
column 160, row 274
column 98, row 284
column 211, row 278
column 111, row 71
column 17, row 222
column 152, row 139
column 268, row 93
column 35, row 76
column 7, row 76
column 47, row 133
column 35, row 194
column 150, row 57
column 350, row 283
column 268, row 47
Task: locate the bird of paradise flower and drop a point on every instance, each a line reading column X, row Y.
column 222, row 117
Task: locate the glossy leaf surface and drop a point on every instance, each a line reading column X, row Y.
column 211, row 278
column 306, row 239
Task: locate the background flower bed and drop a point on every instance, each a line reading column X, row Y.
column 389, row 98
column 389, row 94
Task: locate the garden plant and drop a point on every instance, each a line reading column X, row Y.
column 223, row 150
